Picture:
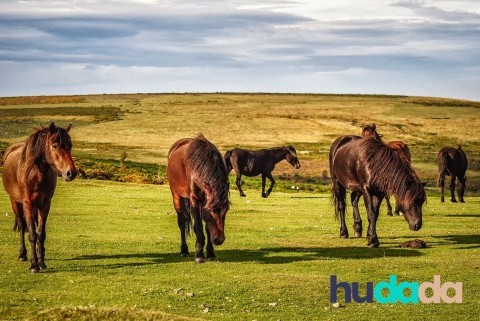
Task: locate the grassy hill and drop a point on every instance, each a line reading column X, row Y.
column 142, row 127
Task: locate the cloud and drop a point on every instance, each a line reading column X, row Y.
column 124, row 46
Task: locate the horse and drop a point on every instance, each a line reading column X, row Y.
column 400, row 147
column 199, row 184
column 255, row 162
column 370, row 168
column 452, row 162
column 29, row 177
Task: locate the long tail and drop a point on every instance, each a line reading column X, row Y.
column 442, row 166
column 187, row 214
column 228, row 164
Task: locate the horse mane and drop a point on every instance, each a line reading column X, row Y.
column 389, row 173
column 33, row 152
column 208, row 168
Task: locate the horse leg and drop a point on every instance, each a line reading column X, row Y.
column 210, row 252
column 452, row 189
column 182, row 207
column 389, row 207
column 339, row 196
column 372, row 204
column 441, row 183
column 357, row 220
column 20, row 225
column 238, row 182
column 263, row 186
column 198, row 228
column 463, row 185
column 32, row 234
column 42, row 221
column 272, row 183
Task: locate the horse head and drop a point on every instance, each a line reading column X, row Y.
column 371, row 131
column 58, row 151
column 411, row 205
column 214, row 214
column 291, row 157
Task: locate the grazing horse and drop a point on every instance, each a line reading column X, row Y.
column 452, row 162
column 29, row 177
column 370, row 168
column 199, row 184
column 256, row 162
column 400, row 147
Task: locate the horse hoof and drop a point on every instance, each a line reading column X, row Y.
column 42, row 266
column 22, row 258
column 462, row 201
column 199, row 260
column 389, row 214
column 34, row 269
column 374, row 245
column 184, row 254
column 243, row 195
column 453, row 200
column 358, row 234
column 211, row 259
column 344, row 236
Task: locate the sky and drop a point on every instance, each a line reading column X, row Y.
column 400, row 47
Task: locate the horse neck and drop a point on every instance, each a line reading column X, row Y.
column 279, row 154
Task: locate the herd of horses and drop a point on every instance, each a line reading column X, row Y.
column 198, row 175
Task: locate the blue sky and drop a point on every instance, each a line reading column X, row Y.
column 427, row 48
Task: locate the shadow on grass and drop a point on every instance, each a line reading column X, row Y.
column 278, row 255
column 467, row 241
column 462, row 215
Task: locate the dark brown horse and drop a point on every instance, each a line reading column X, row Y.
column 199, row 183
column 452, row 162
column 30, row 176
column 400, row 147
column 370, row 168
column 255, row 162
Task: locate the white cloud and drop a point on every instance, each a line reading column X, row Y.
column 310, row 46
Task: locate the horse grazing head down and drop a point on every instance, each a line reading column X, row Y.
column 210, row 186
column 291, row 157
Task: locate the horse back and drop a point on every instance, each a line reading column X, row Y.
column 402, row 150
column 344, row 160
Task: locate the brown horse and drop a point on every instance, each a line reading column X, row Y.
column 199, row 184
column 370, row 168
column 255, row 162
column 30, row 176
column 452, row 162
column 400, row 147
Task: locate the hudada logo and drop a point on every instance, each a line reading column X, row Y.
column 403, row 292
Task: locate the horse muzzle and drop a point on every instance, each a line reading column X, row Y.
column 416, row 226
column 69, row 175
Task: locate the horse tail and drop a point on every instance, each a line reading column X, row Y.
column 228, row 163
column 442, row 165
column 187, row 215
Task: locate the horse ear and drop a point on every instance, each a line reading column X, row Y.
column 374, row 127
column 68, row 127
column 52, row 128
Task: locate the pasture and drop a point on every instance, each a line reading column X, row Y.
column 112, row 248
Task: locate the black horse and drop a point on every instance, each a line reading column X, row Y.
column 370, row 168
column 452, row 162
column 256, row 162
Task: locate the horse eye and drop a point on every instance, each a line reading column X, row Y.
column 55, row 145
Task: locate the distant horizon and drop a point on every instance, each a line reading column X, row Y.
column 245, row 93
column 421, row 48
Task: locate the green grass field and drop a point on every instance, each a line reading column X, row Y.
column 112, row 247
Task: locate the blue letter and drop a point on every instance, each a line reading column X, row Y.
column 367, row 298
column 334, row 287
